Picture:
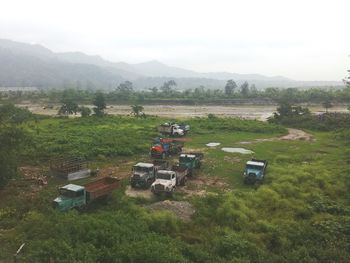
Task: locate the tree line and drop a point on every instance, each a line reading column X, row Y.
column 125, row 93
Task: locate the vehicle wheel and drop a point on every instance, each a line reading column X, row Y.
column 170, row 193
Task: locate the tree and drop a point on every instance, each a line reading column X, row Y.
column 347, row 80
column 69, row 106
column 253, row 90
column 12, row 140
column 327, row 104
column 166, row 88
column 125, row 90
column 154, row 91
column 286, row 113
column 84, row 111
column 100, row 104
column 137, row 110
column 230, row 87
column 245, row 89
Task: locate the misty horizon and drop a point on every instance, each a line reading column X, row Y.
column 295, row 39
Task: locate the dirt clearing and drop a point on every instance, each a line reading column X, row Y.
column 138, row 193
column 182, row 209
column 113, row 171
column 295, row 134
column 200, row 186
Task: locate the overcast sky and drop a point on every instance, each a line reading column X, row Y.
column 303, row 40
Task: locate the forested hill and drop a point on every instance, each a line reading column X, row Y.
column 23, row 65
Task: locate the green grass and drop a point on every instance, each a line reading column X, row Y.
column 301, row 213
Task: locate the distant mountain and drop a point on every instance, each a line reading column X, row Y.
column 34, row 65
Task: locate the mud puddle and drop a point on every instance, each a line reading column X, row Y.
column 213, row 144
column 237, row 150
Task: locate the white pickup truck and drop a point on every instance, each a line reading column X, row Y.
column 171, row 129
column 166, row 181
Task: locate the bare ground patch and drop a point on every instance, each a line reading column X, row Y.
column 232, row 159
column 113, row 171
column 182, row 209
column 141, row 193
column 293, row 135
column 34, row 176
column 200, row 186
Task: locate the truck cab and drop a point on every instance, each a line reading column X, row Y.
column 176, row 130
column 171, row 128
column 71, row 195
column 191, row 161
column 184, row 127
column 165, row 182
column 143, row 175
column 164, row 147
column 255, row 171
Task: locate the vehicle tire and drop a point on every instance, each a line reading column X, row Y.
column 149, row 183
column 170, row 193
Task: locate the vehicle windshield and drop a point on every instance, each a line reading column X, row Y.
column 185, row 159
column 253, row 167
column 163, row 176
column 141, row 169
column 67, row 193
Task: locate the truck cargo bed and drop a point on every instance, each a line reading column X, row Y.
column 180, row 172
column 101, row 187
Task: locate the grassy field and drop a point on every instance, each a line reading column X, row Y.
column 300, row 214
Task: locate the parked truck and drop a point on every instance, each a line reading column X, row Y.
column 183, row 126
column 165, row 147
column 254, row 171
column 166, row 181
column 77, row 196
column 143, row 174
column 171, row 129
column 191, row 161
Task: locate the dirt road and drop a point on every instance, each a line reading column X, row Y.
column 260, row 112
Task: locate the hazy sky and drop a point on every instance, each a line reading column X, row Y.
column 303, row 40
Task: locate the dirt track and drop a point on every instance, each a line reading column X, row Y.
column 295, row 134
column 260, row 112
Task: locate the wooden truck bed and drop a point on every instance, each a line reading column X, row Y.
column 180, row 171
column 101, row 187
